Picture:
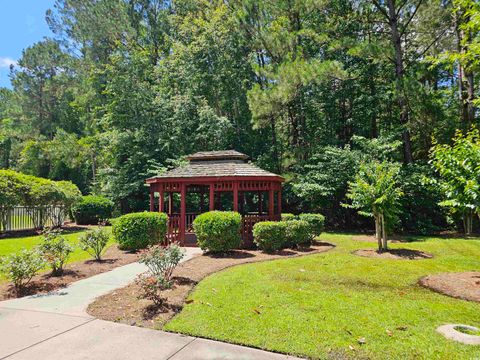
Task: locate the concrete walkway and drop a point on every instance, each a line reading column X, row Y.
column 56, row 326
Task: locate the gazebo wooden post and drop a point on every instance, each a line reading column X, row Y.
column 279, row 203
column 183, row 211
column 170, row 203
column 212, row 197
column 152, row 199
column 202, row 199
column 235, row 196
column 271, row 214
column 260, row 203
column 160, row 199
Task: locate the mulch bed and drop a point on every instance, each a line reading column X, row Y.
column 463, row 285
column 372, row 239
column 124, row 306
column 44, row 283
column 394, row 254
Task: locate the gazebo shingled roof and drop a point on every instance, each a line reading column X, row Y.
column 213, row 173
column 217, row 164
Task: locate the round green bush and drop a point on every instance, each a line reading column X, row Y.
column 299, row 232
column 316, row 221
column 139, row 230
column 270, row 235
column 92, row 209
column 288, row 217
column 218, row 231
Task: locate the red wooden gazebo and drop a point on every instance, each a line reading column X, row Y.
column 231, row 184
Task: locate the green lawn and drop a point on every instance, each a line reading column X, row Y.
column 12, row 245
column 321, row 305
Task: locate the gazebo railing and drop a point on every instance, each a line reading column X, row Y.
column 248, row 221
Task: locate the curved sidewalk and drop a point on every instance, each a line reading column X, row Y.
column 56, row 326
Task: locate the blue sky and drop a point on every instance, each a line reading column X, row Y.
column 22, row 23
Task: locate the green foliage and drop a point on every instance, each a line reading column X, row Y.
column 93, row 242
column 420, row 211
column 21, row 267
column 218, row 231
column 316, row 222
column 139, row 230
column 288, row 216
column 92, row 209
column 375, row 192
column 295, row 85
column 299, row 233
column 55, row 250
column 161, row 261
column 11, row 189
column 458, row 166
column 270, row 235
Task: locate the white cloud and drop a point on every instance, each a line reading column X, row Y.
column 5, row 62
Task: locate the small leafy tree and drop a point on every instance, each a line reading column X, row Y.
column 375, row 192
column 55, row 250
column 458, row 166
column 21, row 267
column 160, row 262
column 94, row 242
column 69, row 195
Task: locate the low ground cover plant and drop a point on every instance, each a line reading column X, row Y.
column 92, row 210
column 139, row 230
column 55, row 250
column 160, row 261
column 21, row 267
column 94, row 242
column 218, row 231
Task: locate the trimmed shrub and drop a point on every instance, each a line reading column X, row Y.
column 316, row 221
column 21, row 267
column 299, row 232
column 270, row 235
column 55, row 250
column 139, row 230
column 94, row 242
column 218, row 231
column 288, row 217
column 92, row 209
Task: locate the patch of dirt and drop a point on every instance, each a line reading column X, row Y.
column 463, row 285
column 45, row 282
column 394, row 254
column 123, row 305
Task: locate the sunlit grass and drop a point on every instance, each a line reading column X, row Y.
column 320, row 306
column 15, row 244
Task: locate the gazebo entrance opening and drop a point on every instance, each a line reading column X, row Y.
column 218, row 180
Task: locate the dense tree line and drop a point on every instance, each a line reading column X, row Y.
column 307, row 88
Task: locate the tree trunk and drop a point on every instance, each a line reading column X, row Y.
column 399, row 79
column 378, row 232
column 384, row 234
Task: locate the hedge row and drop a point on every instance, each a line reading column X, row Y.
column 37, row 195
column 292, row 231
column 92, row 210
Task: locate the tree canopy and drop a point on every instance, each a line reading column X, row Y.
column 126, row 88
